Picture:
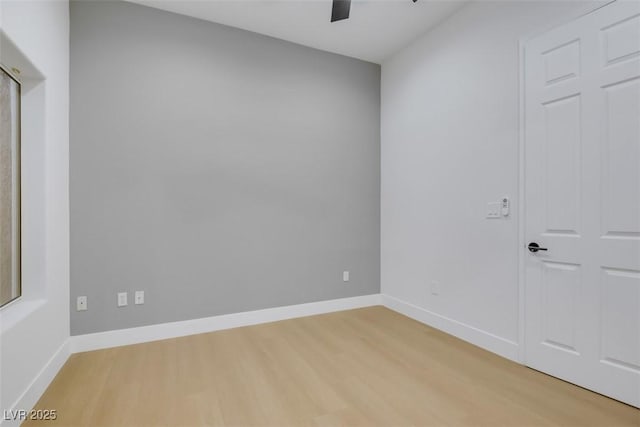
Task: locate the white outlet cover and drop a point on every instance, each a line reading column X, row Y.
column 139, row 297
column 435, row 288
column 81, row 303
column 345, row 276
column 122, row 299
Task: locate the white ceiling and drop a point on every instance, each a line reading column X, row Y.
column 374, row 31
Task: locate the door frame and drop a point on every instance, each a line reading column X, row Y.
column 522, row 238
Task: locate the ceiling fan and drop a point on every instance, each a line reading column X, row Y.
column 341, row 8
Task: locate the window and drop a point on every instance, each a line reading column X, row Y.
column 10, row 283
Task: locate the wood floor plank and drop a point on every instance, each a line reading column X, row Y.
column 365, row 367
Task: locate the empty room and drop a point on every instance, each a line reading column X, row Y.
column 320, row 213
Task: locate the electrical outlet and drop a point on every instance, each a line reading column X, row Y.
column 345, row 276
column 139, row 297
column 122, row 299
column 435, row 288
column 81, row 303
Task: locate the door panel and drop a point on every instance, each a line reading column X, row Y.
column 582, row 201
column 620, row 318
column 622, row 40
column 562, row 62
column 621, row 155
column 561, row 283
column 562, row 178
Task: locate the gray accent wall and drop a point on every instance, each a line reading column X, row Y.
column 216, row 169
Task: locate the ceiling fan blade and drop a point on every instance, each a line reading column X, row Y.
column 340, row 10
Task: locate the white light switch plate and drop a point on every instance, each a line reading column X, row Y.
column 345, row 276
column 81, row 303
column 505, row 206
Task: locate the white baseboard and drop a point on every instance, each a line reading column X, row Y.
column 34, row 391
column 120, row 337
column 483, row 339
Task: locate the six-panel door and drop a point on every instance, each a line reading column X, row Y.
column 582, row 194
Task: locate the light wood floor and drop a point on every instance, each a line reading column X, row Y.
column 361, row 367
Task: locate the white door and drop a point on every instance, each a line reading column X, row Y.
column 582, row 195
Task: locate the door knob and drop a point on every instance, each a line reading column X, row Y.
column 534, row 247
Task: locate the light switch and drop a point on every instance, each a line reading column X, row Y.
column 505, row 206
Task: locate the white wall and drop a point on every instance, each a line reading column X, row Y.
column 450, row 146
column 35, row 329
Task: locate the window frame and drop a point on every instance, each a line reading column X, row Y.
column 18, row 196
